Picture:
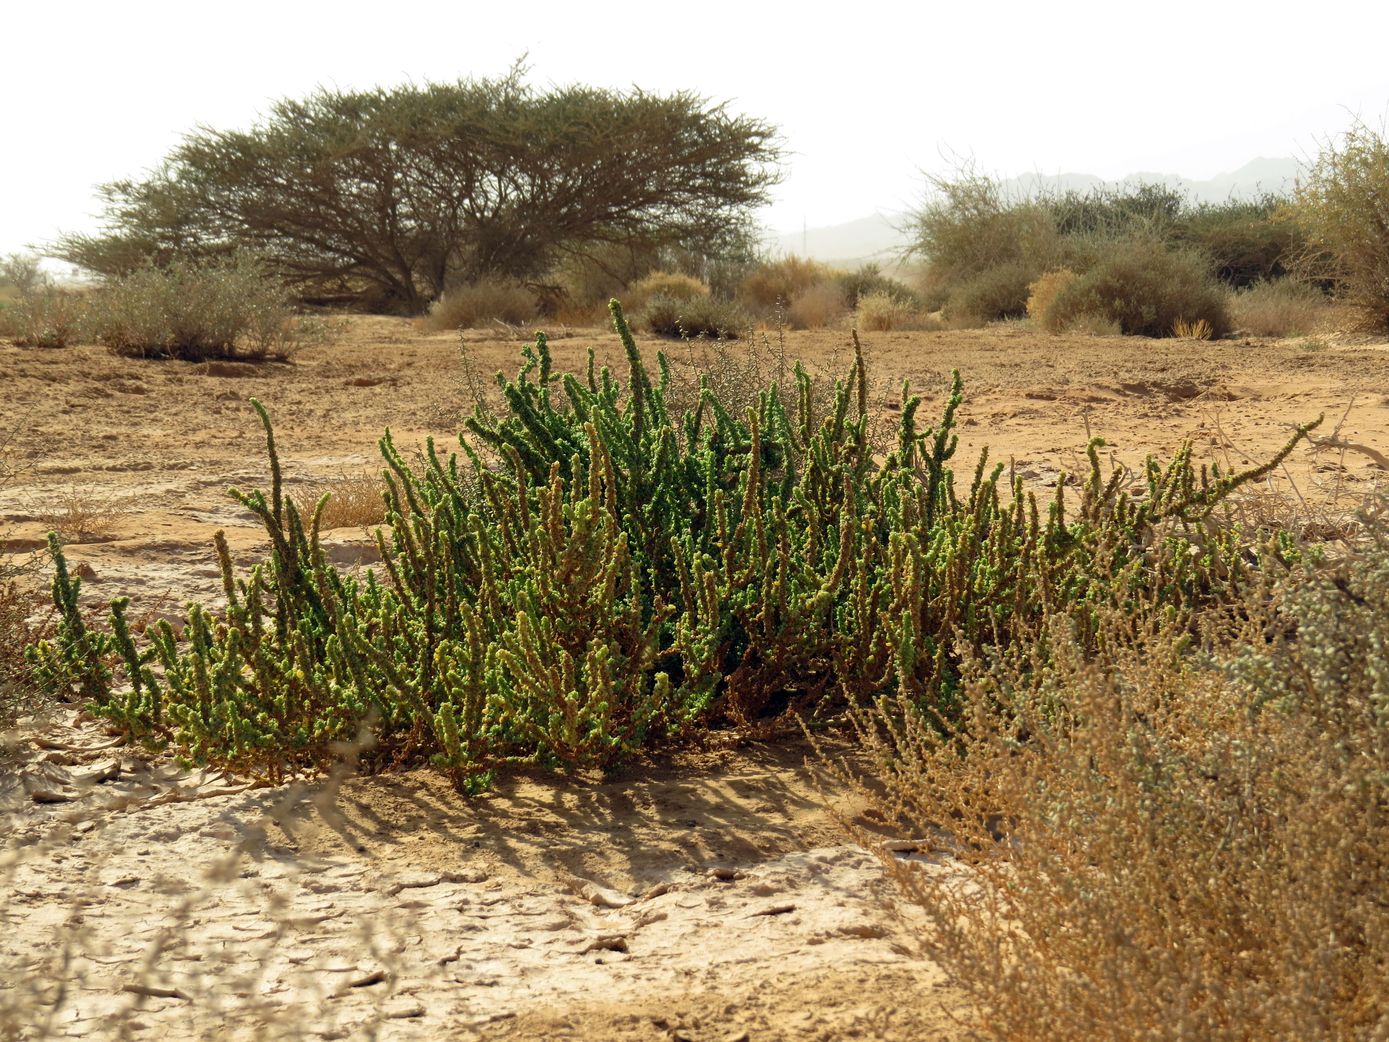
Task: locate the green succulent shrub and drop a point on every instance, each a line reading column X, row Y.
column 590, row 573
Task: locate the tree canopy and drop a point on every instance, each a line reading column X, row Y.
column 390, row 195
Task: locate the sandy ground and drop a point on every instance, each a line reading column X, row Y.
column 712, row 897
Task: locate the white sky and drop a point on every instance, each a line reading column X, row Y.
column 867, row 94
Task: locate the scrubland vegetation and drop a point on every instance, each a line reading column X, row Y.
column 1180, row 831
column 597, row 573
column 185, row 310
column 20, row 585
column 1136, row 260
column 1140, row 733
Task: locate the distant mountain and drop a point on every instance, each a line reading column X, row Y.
column 1255, row 178
column 877, row 238
column 874, row 238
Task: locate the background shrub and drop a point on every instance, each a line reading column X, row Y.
column 968, row 228
column 44, row 317
column 1146, row 287
column 597, row 274
column 996, row 293
column 817, row 306
column 669, row 284
column 983, row 250
column 482, row 304
column 1344, row 205
column 885, row 312
column 1244, row 242
column 197, row 312
column 869, row 279
column 33, row 311
column 1287, row 307
column 1115, row 211
column 774, row 284
column 696, row 317
column 1041, row 294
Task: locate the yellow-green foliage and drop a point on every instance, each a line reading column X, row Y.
column 1344, row 205
column 621, row 574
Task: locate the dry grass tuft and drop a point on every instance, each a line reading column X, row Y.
column 1174, row 838
column 355, row 501
column 1198, row 329
column 79, row 515
column 1285, row 308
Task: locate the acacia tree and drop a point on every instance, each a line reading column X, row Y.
column 390, row 195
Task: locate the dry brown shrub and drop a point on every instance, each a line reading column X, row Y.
column 700, row 317
column 883, row 313
column 79, row 514
column 355, row 501
column 668, row 284
column 20, row 595
column 21, row 583
column 570, row 314
column 230, row 309
column 1042, row 293
column 738, row 372
column 481, row 304
column 1168, row 838
column 818, row 306
column 1280, row 309
column 774, row 284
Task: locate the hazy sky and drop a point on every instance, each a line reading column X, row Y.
column 867, row 95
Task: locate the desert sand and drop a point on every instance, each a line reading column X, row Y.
column 708, row 894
